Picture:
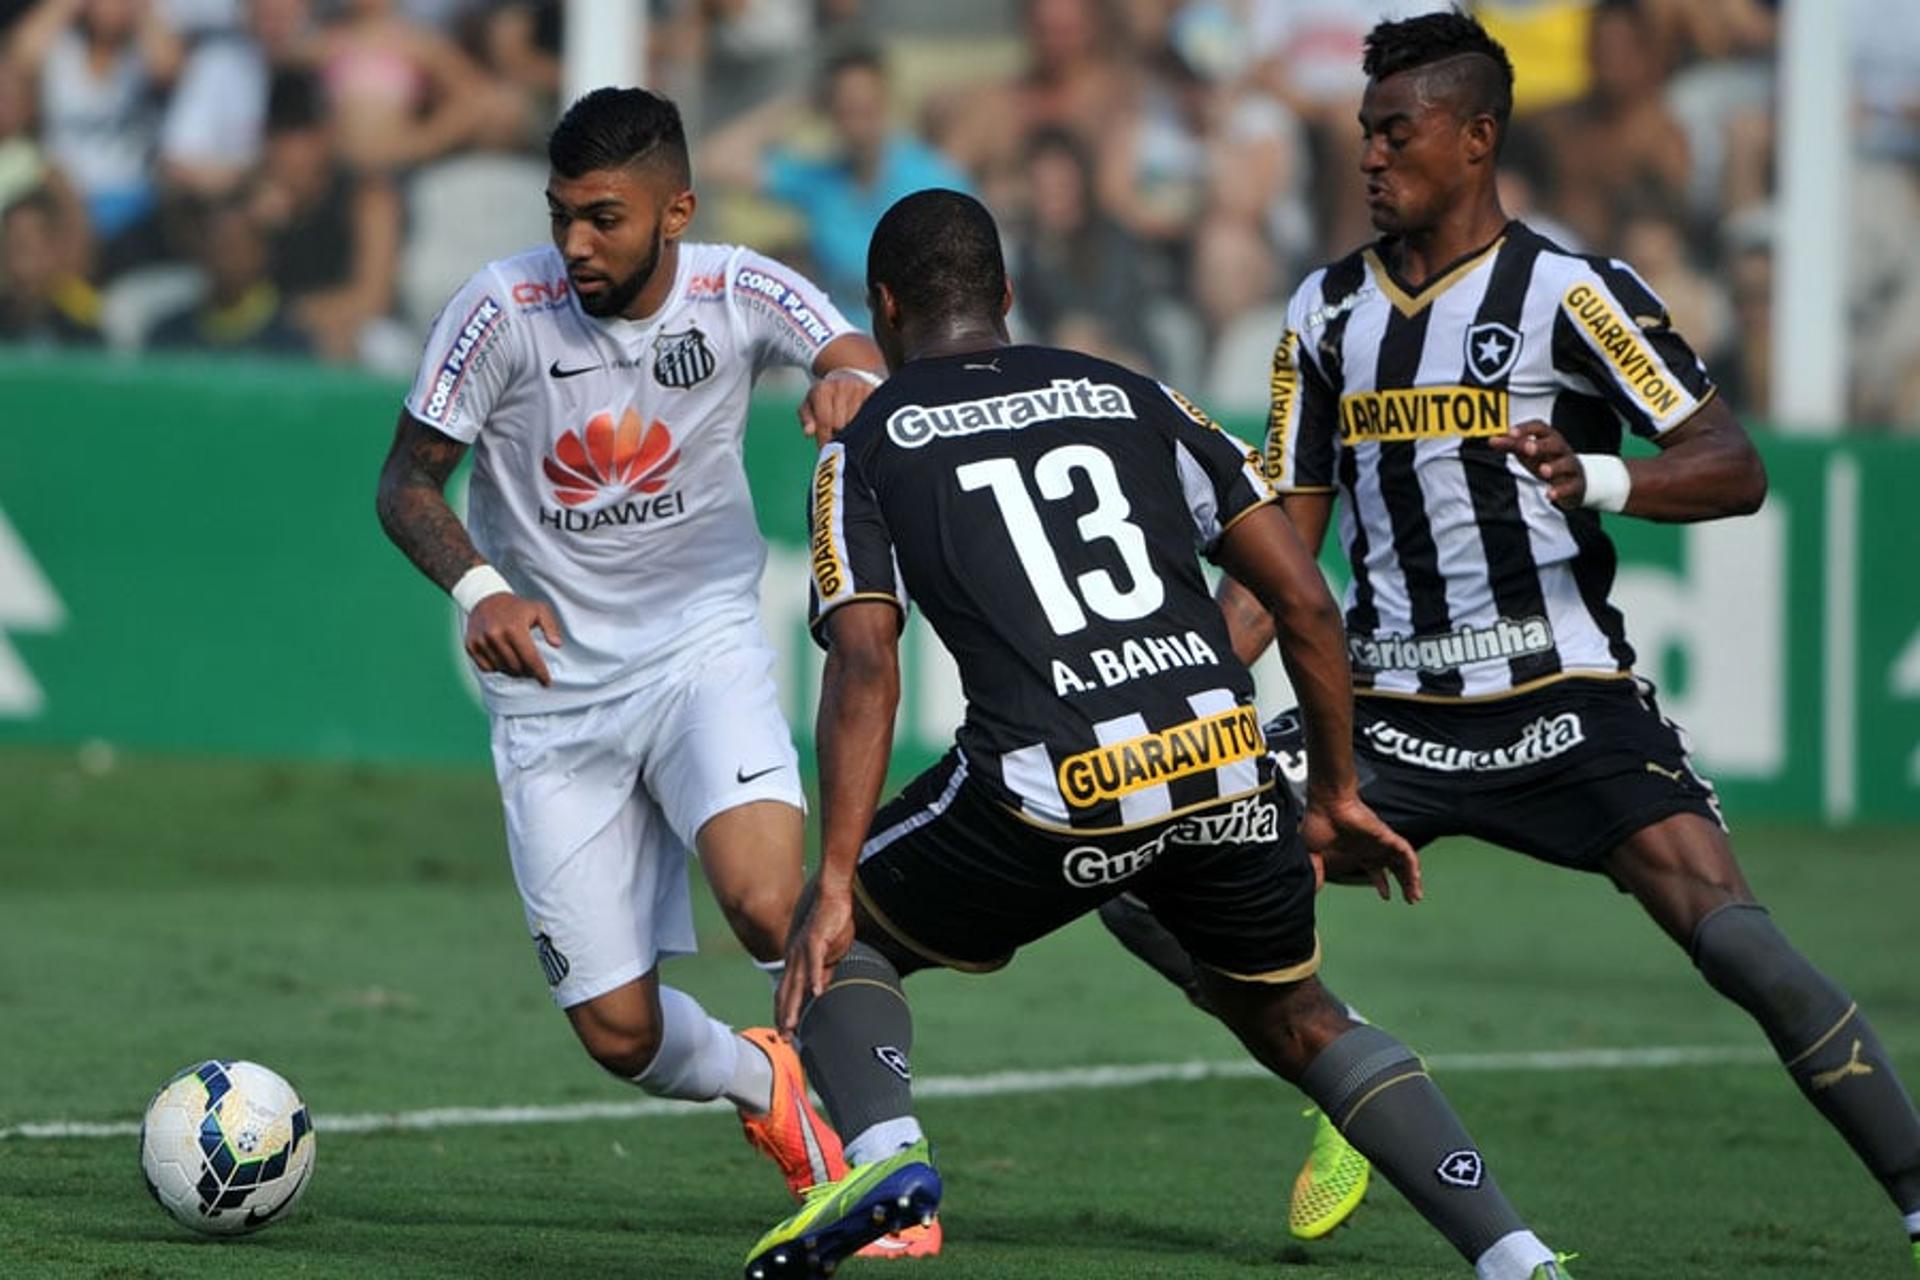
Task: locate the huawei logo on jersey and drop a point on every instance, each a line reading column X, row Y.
column 623, row 459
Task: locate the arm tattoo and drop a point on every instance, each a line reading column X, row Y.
column 413, row 505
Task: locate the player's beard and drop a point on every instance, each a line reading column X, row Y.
column 620, row 295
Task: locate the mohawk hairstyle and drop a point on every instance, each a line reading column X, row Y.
column 1479, row 76
column 939, row 252
column 612, row 128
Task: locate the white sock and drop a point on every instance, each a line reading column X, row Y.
column 1913, row 1225
column 879, row 1141
column 751, row 1088
column 1512, row 1257
column 1357, row 1016
column 772, row 968
column 698, row 1055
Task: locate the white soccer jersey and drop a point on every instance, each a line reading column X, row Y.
column 608, row 477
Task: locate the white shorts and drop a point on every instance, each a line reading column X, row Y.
column 603, row 804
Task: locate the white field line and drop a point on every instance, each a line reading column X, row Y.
column 988, row 1085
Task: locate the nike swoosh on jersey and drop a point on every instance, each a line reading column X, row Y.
column 741, row 775
column 556, row 371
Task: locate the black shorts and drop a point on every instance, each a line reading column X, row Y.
column 1562, row 773
column 960, row 879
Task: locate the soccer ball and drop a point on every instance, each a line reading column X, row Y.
column 226, row 1147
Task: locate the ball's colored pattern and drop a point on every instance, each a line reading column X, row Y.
column 226, row 1147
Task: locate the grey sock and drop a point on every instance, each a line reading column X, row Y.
column 1378, row 1094
column 854, row 1040
column 1828, row 1046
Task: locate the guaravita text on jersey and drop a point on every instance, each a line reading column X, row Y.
column 912, row 425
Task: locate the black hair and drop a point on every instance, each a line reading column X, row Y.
column 939, row 252
column 1480, row 77
column 612, row 128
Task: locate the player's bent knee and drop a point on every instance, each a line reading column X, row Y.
column 759, row 916
column 1285, row 1026
column 625, row 1046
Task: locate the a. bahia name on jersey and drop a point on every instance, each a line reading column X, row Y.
column 1147, row 656
column 913, row 425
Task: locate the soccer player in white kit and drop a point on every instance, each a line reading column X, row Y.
column 609, row 571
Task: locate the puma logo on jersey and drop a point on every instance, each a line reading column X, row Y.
column 1823, row 1080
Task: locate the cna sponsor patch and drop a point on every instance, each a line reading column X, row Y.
column 542, row 295
column 1122, row 768
column 1422, row 413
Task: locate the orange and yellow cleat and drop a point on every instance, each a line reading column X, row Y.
column 912, row 1242
column 804, row 1145
column 792, row 1133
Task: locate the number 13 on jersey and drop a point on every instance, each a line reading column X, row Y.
column 1054, row 477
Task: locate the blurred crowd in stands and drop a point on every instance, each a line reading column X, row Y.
column 316, row 176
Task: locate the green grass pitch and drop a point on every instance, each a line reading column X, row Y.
column 357, row 930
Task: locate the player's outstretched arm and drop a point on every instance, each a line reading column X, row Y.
column 1264, row 553
column 412, row 503
column 1249, row 625
column 853, row 739
column 1706, row 468
column 847, row 370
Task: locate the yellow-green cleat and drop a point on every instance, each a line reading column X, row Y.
column 1555, row 1270
column 838, row 1217
column 1330, row 1186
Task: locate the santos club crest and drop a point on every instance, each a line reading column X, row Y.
column 1492, row 350
column 682, row 359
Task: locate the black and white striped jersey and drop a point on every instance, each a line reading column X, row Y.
column 1467, row 582
column 1044, row 509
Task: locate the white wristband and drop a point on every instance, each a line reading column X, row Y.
column 867, row 376
column 476, row 584
column 1607, row 481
